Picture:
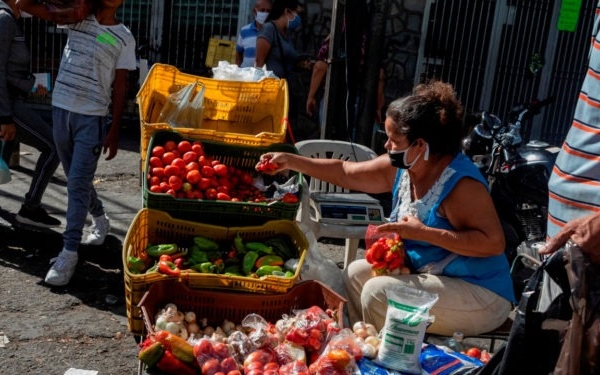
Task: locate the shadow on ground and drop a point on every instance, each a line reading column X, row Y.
column 98, row 280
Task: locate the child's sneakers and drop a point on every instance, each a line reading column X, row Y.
column 63, row 268
column 98, row 231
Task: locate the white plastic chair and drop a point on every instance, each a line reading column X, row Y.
column 332, row 149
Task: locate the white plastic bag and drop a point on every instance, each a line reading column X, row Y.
column 5, row 175
column 184, row 108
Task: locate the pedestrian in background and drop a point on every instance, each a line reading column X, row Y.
column 245, row 47
column 18, row 121
column 92, row 78
column 574, row 185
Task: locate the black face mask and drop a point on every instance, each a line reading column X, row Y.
column 398, row 158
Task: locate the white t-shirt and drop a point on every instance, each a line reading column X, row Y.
column 87, row 70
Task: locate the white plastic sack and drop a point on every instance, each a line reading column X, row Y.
column 318, row 267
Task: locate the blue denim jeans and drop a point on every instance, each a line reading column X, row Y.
column 79, row 140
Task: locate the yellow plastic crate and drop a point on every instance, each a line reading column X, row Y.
column 219, row 50
column 153, row 226
column 245, row 113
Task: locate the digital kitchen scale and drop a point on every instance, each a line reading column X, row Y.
column 346, row 208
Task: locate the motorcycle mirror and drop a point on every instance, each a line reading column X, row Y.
column 482, row 131
column 491, row 121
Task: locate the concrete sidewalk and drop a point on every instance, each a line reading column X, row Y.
column 117, row 182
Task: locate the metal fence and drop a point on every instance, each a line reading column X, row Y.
column 500, row 53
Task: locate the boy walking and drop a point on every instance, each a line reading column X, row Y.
column 92, row 75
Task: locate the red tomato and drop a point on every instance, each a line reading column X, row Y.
column 259, row 355
column 210, row 193
column 172, row 170
column 156, row 189
column 234, row 372
column 214, row 162
column 246, row 179
column 207, row 171
column 175, row 183
column 164, row 186
column 271, row 366
column 223, row 189
column 170, row 146
column 179, row 163
column 154, row 180
column 172, row 192
column 184, row 146
column 211, row 367
column 168, row 158
column 220, row 169
column 204, row 160
column 190, row 156
column 204, row 183
column 158, row 151
column 193, row 166
column 203, row 347
column 155, row 161
column 254, row 365
column 198, row 194
column 253, row 372
column 193, row 176
column 474, row 352
column 229, row 364
column 158, row 172
column 223, row 197
column 197, row 148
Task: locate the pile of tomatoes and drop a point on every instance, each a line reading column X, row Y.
column 184, row 170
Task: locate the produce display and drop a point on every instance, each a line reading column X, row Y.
column 184, row 170
column 237, row 257
column 309, row 341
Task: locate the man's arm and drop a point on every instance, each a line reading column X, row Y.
column 36, row 9
column 318, row 74
column 585, row 232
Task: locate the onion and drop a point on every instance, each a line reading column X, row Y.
column 172, row 327
column 193, row 328
column 373, row 340
column 371, row 330
column 369, row 351
column 190, row 317
column 208, row 331
column 357, row 325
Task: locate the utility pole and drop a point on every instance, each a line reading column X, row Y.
column 373, row 62
column 348, row 20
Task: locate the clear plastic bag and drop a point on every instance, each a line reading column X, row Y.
column 185, row 108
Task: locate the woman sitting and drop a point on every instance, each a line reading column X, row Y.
column 442, row 210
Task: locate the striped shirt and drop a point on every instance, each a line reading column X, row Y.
column 575, row 181
column 87, row 70
column 246, row 44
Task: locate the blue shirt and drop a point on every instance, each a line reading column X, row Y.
column 246, row 44
column 491, row 272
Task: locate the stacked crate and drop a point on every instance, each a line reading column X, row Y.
column 242, row 120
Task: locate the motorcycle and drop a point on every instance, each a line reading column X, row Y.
column 517, row 175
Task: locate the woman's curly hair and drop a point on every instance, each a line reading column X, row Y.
column 432, row 112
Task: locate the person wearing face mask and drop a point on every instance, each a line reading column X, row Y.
column 245, row 47
column 441, row 210
column 274, row 47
